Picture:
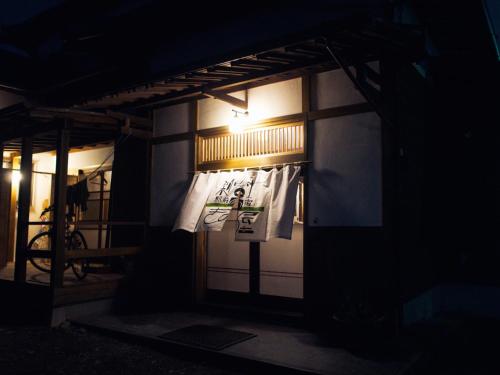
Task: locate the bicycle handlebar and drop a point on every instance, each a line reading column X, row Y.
column 48, row 209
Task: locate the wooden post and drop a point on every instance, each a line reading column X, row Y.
column 254, row 263
column 23, row 212
column 4, row 214
column 388, row 69
column 308, row 278
column 59, row 227
column 101, row 209
column 1, row 162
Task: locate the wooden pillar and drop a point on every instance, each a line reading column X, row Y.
column 388, row 69
column 101, row 209
column 254, row 263
column 1, row 162
column 23, row 211
column 307, row 269
column 59, row 227
column 4, row 214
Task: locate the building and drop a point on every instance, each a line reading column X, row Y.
column 364, row 97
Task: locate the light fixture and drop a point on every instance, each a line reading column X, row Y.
column 16, row 177
column 238, row 121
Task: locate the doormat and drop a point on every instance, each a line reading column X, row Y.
column 208, row 337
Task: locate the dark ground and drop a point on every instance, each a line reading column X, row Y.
column 75, row 351
column 455, row 347
column 460, row 346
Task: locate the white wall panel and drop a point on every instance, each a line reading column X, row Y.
column 276, row 99
column 281, row 265
column 273, row 100
column 227, row 261
column 332, row 89
column 170, row 179
column 346, row 174
column 214, row 112
column 171, row 120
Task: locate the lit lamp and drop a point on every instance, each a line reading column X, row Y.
column 238, row 121
column 16, row 177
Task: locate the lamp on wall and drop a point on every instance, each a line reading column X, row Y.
column 238, row 121
column 16, row 177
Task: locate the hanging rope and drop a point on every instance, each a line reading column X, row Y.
column 119, row 142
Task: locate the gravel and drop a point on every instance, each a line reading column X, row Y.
column 73, row 350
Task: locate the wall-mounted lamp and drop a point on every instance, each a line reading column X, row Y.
column 16, row 177
column 238, row 121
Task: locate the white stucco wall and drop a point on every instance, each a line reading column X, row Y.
column 332, row 89
column 170, row 180
column 273, row 100
column 346, row 174
column 172, row 161
column 171, row 120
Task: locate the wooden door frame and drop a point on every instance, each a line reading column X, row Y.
column 201, row 293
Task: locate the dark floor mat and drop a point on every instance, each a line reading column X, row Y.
column 208, row 337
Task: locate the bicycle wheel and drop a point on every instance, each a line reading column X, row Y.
column 78, row 242
column 42, row 241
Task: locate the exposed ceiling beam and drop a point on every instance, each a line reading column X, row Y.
column 136, row 120
column 243, row 104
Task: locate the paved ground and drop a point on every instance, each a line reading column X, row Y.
column 274, row 345
column 467, row 347
column 75, row 351
column 470, row 347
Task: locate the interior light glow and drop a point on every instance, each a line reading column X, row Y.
column 16, row 177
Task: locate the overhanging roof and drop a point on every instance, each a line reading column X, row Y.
column 87, row 127
column 248, row 71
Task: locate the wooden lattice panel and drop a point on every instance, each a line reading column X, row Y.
column 257, row 146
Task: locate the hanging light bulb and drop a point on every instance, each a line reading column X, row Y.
column 238, row 121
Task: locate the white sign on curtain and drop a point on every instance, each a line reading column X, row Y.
column 263, row 200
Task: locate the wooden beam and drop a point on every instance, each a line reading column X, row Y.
column 172, row 138
column 260, row 77
column 76, row 115
column 43, row 254
column 367, row 91
column 26, row 130
column 243, row 104
column 59, row 227
column 115, row 223
column 135, row 120
column 100, row 253
column 344, row 110
column 85, row 292
column 23, row 212
column 88, row 253
column 138, row 133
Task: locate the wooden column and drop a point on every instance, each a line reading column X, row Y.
column 254, row 266
column 61, row 181
column 390, row 197
column 101, row 209
column 4, row 214
column 23, row 211
column 308, row 271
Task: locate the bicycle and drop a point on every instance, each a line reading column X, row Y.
column 73, row 240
